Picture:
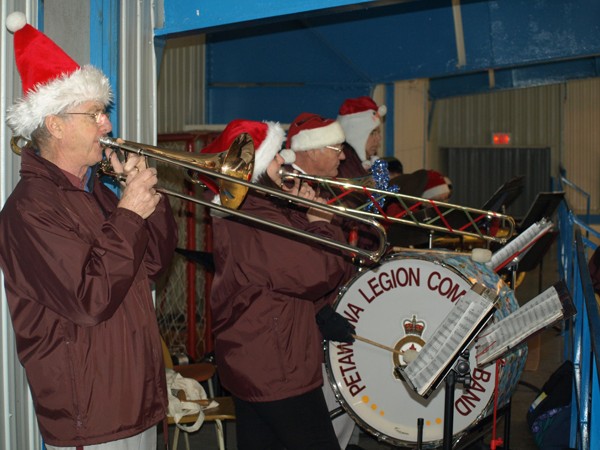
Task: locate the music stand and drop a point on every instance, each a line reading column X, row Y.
column 445, row 358
column 535, row 256
column 505, row 195
column 552, row 305
column 543, row 206
column 204, row 259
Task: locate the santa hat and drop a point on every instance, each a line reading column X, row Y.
column 267, row 138
column 358, row 117
column 52, row 81
column 310, row 131
column 437, row 186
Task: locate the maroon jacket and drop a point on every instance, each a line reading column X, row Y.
column 351, row 166
column 266, row 291
column 77, row 276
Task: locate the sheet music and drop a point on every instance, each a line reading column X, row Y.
column 518, row 245
column 552, row 305
column 449, row 339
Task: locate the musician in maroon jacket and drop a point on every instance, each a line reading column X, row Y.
column 360, row 119
column 78, row 261
column 267, row 303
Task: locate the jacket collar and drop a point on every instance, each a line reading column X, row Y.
column 33, row 165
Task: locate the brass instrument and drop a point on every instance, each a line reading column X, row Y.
column 427, row 214
column 233, row 168
column 237, row 162
column 233, row 176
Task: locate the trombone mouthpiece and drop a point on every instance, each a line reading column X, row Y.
column 107, row 142
column 286, row 175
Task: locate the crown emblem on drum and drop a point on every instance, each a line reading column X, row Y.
column 414, row 326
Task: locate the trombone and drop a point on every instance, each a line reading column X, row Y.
column 233, row 169
column 436, row 217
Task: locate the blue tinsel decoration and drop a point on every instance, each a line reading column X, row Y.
column 381, row 177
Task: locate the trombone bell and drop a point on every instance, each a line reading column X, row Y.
column 237, row 162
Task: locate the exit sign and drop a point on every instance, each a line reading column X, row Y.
column 501, row 139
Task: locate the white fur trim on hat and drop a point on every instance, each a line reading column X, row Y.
column 85, row 84
column 268, row 148
column 358, row 126
column 312, row 138
column 289, row 156
column 436, row 192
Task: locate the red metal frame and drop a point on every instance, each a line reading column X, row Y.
column 190, row 146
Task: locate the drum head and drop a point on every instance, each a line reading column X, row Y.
column 399, row 305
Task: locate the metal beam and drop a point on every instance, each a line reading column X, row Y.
column 183, row 16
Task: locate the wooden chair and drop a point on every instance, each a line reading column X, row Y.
column 198, row 371
column 201, row 372
column 225, row 411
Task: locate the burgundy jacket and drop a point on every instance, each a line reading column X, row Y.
column 77, row 273
column 266, row 291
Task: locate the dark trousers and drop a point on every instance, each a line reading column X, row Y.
column 296, row 423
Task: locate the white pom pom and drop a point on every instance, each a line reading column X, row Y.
column 15, row 21
column 481, row 255
column 409, row 355
column 289, row 156
column 382, row 110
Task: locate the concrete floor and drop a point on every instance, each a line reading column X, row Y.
column 546, row 354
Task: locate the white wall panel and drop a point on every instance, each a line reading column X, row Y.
column 181, row 84
column 410, row 124
column 137, row 66
column 581, row 157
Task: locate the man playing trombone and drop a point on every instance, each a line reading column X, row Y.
column 78, row 261
column 315, row 147
column 360, row 119
column 266, row 291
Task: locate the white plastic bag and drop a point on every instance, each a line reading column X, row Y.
column 178, row 408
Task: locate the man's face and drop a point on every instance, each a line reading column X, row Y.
column 373, row 143
column 85, row 124
column 327, row 160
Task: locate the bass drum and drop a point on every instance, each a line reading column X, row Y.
column 399, row 305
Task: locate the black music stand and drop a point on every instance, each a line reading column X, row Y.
column 543, row 207
column 505, row 195
column 534, row 257
column 460, row 373
column 445, row 358
column 204, row 259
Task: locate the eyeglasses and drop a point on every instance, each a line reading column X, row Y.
column 97, row 115
column 337, row 149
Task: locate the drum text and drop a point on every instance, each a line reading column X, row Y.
column 445, row 286
column 387, row 281
column 348, row 370
column 468, row 401
column 403, row 276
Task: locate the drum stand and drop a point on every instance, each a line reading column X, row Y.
column 460, row 373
